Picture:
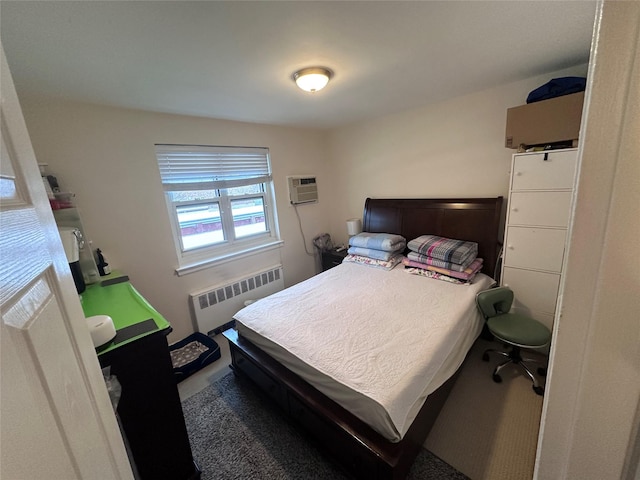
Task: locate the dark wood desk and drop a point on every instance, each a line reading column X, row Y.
column 149, row 408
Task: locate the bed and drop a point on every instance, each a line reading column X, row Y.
column 373, row 410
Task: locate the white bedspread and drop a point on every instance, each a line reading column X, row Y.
column 376, row 342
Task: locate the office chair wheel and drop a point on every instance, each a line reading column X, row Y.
column 538, row 390
column 485, row 357
column 542, row 371
column 497, row 378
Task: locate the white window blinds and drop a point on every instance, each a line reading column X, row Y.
column 189, row 167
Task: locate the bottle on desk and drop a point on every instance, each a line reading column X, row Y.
column 103, row 267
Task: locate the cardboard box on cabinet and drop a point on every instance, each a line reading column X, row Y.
column 545, row 122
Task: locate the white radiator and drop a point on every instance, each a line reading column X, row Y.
column 215, row 306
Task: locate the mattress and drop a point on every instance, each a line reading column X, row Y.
column 377, row 342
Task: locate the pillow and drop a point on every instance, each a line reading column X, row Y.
column 467, row 274
column 438, row 276
column 388, row 242
column 416, row 257
column 372, row 253
column 445, row 249
column 372, row 262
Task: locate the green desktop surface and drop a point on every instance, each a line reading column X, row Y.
column 116, row 297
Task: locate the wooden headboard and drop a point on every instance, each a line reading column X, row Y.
column 470, row 219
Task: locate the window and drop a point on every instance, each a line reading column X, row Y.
column 220, row 201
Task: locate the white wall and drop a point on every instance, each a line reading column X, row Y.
column 452, row 149
column 106, row 157
column 590, row 426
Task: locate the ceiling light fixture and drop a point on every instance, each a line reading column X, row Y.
column 312, row 79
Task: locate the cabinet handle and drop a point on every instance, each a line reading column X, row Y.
column 510, row 247
column 514, row 209
column 518, row 174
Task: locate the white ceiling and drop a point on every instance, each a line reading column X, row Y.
column 234, row 59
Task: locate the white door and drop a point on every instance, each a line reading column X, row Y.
column 56, row 419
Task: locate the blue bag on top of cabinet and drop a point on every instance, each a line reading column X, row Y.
column 557, row 87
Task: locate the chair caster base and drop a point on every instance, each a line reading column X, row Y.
column 497, row 378
column 538, row 390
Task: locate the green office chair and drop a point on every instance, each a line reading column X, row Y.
column 517, row 330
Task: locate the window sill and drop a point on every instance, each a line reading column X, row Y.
column 203, row 264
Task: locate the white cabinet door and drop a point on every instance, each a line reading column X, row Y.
column 544, row 171
column 535, row 248
column 539, row 215
column 548, row 209
column 535, row 291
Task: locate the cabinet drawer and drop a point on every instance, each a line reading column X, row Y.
column 332, row 259
column 330, row 262
column 534, row 291
column 271, row 386
column 359, row 462
column 533, row 172
column 551, row 209
column 535, row 248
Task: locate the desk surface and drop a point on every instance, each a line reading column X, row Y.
column 124, row 304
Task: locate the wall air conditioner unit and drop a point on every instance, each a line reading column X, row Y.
column 302, row 189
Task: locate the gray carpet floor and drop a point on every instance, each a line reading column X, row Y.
column 237, row 433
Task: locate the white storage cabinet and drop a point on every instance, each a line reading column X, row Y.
column 538, row 216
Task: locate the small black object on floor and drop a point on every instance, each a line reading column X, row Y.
column 192, row 354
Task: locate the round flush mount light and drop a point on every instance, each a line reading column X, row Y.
column 312, row 79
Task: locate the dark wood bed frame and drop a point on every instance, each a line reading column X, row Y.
column 365, row 453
